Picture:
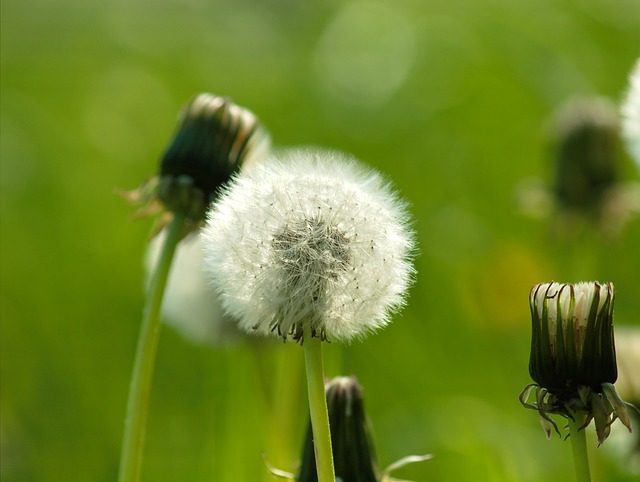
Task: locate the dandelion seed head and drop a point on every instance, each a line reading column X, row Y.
column 630, row 111
column 310, row 237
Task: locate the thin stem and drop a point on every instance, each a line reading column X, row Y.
column 579, row 446
column 140, row 385
column 318, row 408
column 284, row 400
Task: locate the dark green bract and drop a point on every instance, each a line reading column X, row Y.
column 573, row 359
column 561, row 361
column 213, row 140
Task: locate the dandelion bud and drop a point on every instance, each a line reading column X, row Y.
column 214, row 139
column 586, row 148
column 309, row 242
column 630, row 111
column 353, row 451
column 351, row 439
column 573, row 358
column 572, row 336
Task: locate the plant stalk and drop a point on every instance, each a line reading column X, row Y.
column 318, row 408
column 140, row 385
column 579, row 446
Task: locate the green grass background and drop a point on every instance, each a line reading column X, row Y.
column 448, row 98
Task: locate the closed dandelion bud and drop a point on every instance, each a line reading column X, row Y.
column 312, row 242
column 214, row 139
column 572, row 336
column 586, row 149
column 351, row 439
column 573, row 358
column 353, row 452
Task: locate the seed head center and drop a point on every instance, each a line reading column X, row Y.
column 311, row 253
column 311, row 248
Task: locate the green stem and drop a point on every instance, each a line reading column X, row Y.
column 140, row 385
column 318, row 408
column 283, row 402
column 579, row 446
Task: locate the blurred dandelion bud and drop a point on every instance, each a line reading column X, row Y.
column 630, row 113
column 188, row 305
column 585, row 139
column 573, row 360
column 310, row 241
column 215, row 138
column 587, row 186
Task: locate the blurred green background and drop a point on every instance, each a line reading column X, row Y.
column 448, row 98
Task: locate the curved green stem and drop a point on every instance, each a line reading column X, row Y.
column 283, row 400
column 579, row 447
column 318, row 408
column 140, row 385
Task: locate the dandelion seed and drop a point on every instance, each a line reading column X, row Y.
column 288, row 246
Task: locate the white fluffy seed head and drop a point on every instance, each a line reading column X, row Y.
column 630, row 111
column 310, row 239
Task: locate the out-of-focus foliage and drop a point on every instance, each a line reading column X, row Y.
column 449, row 99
